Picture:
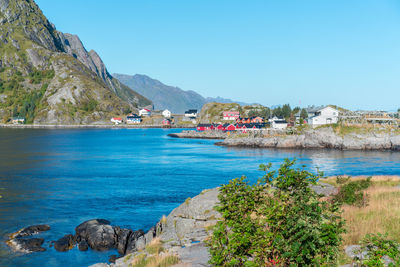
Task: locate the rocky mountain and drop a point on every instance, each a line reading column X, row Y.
column 49, row 77
column 165, row 96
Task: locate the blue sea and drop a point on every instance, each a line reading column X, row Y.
column 131, row 177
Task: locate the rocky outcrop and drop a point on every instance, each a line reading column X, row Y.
column 200, row 135
column 65, row 243
column 321, row 138
column 19, row 242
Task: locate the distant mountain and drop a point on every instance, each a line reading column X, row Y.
column 165, row 96
column 48, row 76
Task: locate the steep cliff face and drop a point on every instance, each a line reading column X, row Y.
column 49, row 77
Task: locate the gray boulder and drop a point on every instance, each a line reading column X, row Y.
column 122, row 239
column 136, row 241
column 65, row 243
column 29, row 245
column 32, row 230
column 98, row 233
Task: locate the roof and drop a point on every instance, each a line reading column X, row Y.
column 204, row 125
column 134, row 116
column 280, row 121
column 117, row 118
column 191, row 111
column 146, row 109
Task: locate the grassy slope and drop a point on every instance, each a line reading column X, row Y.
column 381, row 215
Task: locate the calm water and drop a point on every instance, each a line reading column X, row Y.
column 130, row 177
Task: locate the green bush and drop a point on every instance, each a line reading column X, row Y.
column 279, row 221
column 351, row 192
column 376, row 247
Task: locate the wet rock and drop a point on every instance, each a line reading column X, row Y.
column 98, row 233
column 122, row 237
column 27, row 245
column 65, row 243
column 83, row 245
column 135, row 242
column 31, row 230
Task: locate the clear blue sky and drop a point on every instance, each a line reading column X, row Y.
column 271, row 52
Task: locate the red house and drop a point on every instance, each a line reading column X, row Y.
column 204, row 127
column 231, row 115
column 230, row 127
column 257, row 120
column 220, row 127
column 166, row 122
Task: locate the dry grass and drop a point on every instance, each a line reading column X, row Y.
column 377, row 180
column 382, row 215
column 164, row 260
column 154, row 256
column 155, row 246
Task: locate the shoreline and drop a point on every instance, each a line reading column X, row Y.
column 88, row 126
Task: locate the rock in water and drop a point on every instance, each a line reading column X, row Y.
column 65, row 243
column 17, row 243
column 83, row 245
column 31, row 230
column 27, row 245
column 98, row 233
column 122, row 237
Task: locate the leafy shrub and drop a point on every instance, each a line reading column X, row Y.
column 351, row 192
column 279, row 221
column 377, row 246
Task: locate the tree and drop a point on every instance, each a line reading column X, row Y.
column 279, row 221
column 303, row 115
column 286, row 111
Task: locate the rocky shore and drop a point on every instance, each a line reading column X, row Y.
column 200, row 135
column 79, row 126
column 182, row 234
column 319, row 138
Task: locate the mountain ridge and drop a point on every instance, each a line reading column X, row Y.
column 165, row 96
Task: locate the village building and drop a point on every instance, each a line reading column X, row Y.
column 145, row 112
column 231, row 115
column 133, row 119
column 279, row 124
column 323, row 115
column 166, row 122
column 204, row 127
column 116, row 120
column 18, row 120
column 191, row 113
column 166, row 113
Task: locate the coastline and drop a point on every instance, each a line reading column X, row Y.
column 87, row 126
column 323, row 138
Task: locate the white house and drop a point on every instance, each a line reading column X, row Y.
column 133, row 119
column 166, row 113
column 145, row 112
column 191, row 113
column 116, row 120
column 322, row 116
column 279, row 124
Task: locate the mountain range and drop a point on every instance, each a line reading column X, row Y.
column 48, row 76
column 165, row 96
